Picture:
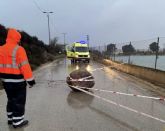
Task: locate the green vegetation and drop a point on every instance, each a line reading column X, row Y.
column 154, row 47
column 111, row 48
column 128, row 49
column 37, row 52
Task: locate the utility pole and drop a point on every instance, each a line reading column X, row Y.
column 47, row 13
column 87, row 39
column 129, row 58
column 114, row 51
column 157, row 49
column 64, row 38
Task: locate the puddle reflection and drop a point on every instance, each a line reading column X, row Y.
column 77, row 66
column 79, row 100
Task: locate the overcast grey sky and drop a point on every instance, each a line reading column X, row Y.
column 104, row 20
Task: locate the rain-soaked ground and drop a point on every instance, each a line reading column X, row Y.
column 52, row 106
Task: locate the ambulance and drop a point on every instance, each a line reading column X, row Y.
column 78, row 51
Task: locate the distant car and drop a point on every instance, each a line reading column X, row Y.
column 78, row 51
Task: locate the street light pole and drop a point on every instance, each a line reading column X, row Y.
column 87, row 39
column 64, row 38
column 48, row 23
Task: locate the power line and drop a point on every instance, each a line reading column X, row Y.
column 48, row 23
column 144, row 40
column 38, row 7
column 64, row 38
column 47, row 13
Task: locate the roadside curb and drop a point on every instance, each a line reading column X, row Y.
column 153, row 78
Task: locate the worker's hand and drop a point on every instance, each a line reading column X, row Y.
column 31, row 83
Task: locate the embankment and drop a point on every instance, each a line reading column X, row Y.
column 156, row 77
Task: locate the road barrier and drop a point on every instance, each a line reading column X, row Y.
column 119, row 93
column 114, row 92
column 82, row 79
column 122, row 106
column 126, row 94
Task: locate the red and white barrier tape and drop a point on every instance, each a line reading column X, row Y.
column 82, row 79
column 126, row 94
column 122, row 106
column 114, row 92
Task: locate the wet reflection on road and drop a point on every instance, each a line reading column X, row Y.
column 52, row 105
column 79, row 100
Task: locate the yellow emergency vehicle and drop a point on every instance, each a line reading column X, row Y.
column 78, row 51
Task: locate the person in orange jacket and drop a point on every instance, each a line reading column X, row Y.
column 15, row 73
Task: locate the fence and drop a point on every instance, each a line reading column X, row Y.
column 147, row 53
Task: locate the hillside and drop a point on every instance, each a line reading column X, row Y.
column 37, row 52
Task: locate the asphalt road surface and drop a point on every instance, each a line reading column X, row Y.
column 52, row 106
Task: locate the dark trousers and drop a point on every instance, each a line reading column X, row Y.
column 16, row 94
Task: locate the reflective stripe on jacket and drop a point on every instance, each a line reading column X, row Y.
column 14, row 65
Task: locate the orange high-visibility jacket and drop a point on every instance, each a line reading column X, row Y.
column 14, row 65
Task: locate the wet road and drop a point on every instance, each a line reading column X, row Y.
column 52, row 106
